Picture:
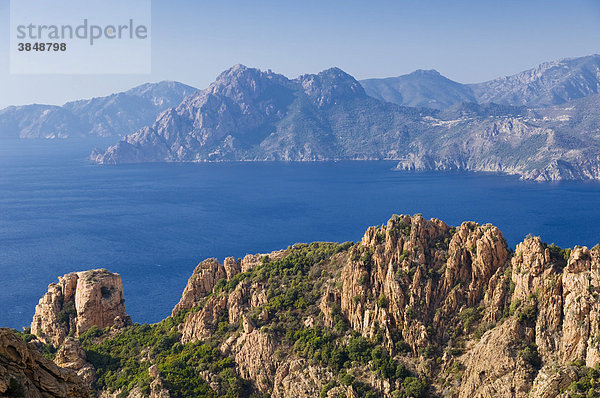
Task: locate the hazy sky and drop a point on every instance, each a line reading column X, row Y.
column 468, row 41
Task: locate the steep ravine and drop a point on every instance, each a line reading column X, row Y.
column 416, row 308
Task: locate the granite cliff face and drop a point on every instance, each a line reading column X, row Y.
column 424, row 284
column 553, row 295
column 24, row 372
column 416, row 308
column 77, row 302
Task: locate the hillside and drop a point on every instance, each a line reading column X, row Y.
column 416, row 308
column 422, row 88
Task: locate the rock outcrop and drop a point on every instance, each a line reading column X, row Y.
column 298, row 378
column 210, row 271
column 415, row 300
column 71, row 355
column 77, row 302
column 24, row 372
column 552, row 295
column 419, row 274
column 157, row 388
column 493, row 366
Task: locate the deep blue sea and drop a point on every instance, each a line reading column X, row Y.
column 153, row 223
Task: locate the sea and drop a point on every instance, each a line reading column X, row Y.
column 153, row 223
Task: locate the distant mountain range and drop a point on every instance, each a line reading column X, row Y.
column 250, row 115
column 542, row 124
column 551, row 83
column 115, row 115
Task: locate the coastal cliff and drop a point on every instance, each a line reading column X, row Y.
column 416, row 308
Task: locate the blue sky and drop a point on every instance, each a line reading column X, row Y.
column 468, row 41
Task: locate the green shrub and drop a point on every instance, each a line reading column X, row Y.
column 404, row 255
column 401, row 372
column 382, row 301
column 414, row 387
column 49, row 351
column 367, row 257
column 326, row 388
column 363, row 280
column 400, row 228
column 358, row 349
column 531, row 356
column 559, row 253
column 528, row 312
column 481, row 329
column 402, row 347
column 347, row 379
column 468, row 317
column 67, row 313
column 589, row 379
column 106, row 292
column 514, row 305
column 120, row 365
column 428, row 351
column 26, row 334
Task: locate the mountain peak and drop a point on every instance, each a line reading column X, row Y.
column 330, row 86
column 235, row 71
column 335, row 71
column 242, row 74
column 425, row 72
column 166, row 92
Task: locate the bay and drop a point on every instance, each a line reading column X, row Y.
column 153, row 223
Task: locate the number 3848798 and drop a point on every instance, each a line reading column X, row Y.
column 42, row 46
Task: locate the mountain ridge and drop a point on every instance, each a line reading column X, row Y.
column 550, row 83
column 247, row 114
column 251, row 115
column 545, row 85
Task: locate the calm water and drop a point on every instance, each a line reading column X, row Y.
column 153, row 223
